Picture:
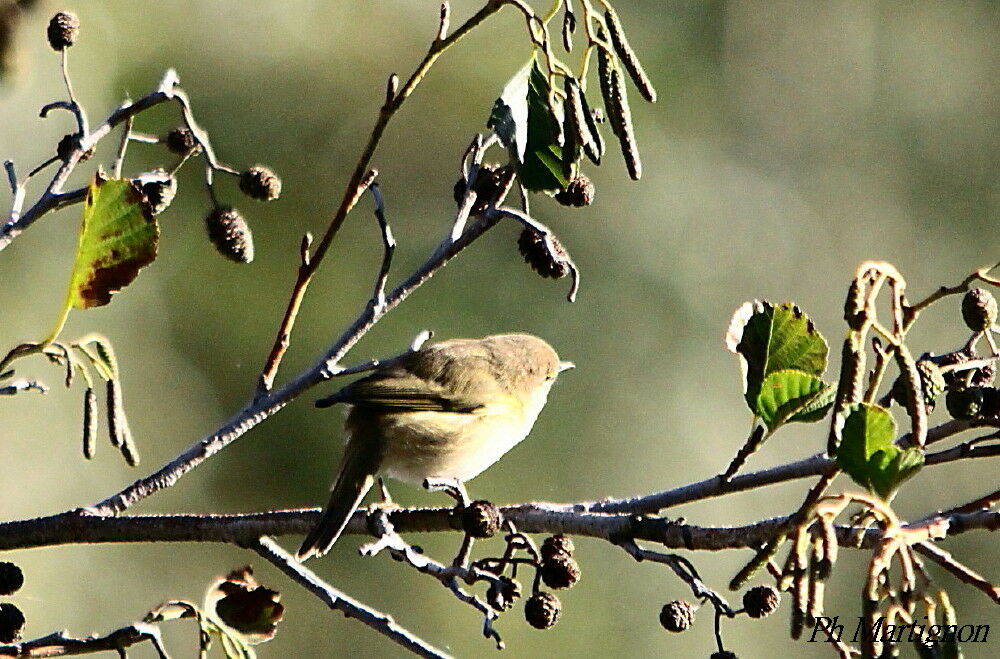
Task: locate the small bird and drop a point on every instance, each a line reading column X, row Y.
column 442, row 413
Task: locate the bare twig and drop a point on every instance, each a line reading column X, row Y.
column 58, row 644
column 448, row 575
column 958, row 570
column 388, row 244
column 303, row 277
column 338, row 601
column 53, row 197
column 356, row 185
column 683, row 569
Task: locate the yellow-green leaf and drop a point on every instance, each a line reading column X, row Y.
column 118, row 237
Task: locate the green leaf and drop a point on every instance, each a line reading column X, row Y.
column 868, row 453
column 529, row 127
column 118, row 237
column 785, row 394
column 770, row 338
column 509, row 117
column 816, row 408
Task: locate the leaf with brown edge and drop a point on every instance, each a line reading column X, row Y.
column 243, row 605
column 118, row 237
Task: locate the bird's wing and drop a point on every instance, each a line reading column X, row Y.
column 401, row 391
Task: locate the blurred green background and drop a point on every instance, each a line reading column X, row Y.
column 792, row 141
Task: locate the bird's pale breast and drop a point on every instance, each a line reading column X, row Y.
column 423, row 445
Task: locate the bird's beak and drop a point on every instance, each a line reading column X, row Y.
column 565, row 366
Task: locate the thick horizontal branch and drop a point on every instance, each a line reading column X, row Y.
column 244, row 529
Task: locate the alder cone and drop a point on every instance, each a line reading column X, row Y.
column 230, row 234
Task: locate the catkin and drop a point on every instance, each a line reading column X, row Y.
column 628, row 57
column 120, row 434
column 587, row 136
column 626, row 136
column 573, row 137
column 114, row 405
column 89, row 422
column 597, row 145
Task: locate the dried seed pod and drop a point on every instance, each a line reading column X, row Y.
column 68, row 144
column 89, row 423
column 11, row 623
column 761, row 601
column 11, row 578
column 964, row 404
column 560, row 572
column 979, row 309
column 481, row 519
column 983, row 376
column 932, row 383
column 502, row 594
column 628, row 57
column 260, row 183
column 158, row 187
column 493, row 182
column 542, row 610
column 544, row 253
column 677, row 616
column 991, row 402
column 579, row 192
column 616, row 103
column 555, row 546
column 63, row 30
column 230, row 234
column 180, row 140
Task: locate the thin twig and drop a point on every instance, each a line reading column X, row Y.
column 53, row 197
column 683, row 569
column 960, row 571
column 122, row 147
column 355, row 186
column 303, row 277
column 449, row 575
column 58, row 644
column 388, row 245
column 338, row 601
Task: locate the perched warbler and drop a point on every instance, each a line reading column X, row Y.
column 442, row 413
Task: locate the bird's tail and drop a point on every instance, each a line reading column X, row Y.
column 357, row 474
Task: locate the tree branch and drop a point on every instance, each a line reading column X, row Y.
column 79, row 527
column 58, row 644
column 339, row 601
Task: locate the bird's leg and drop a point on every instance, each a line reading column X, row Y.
column 450, row 486
column 386, row 505
column 386, row 497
